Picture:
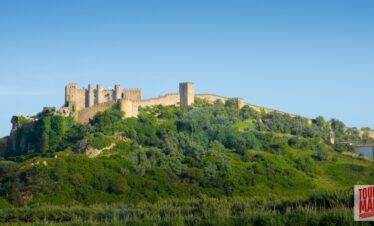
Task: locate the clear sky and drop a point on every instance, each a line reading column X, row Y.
column 305, row 57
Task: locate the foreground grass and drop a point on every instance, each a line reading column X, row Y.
column 330, row 210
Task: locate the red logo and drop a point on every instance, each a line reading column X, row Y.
column 364, row 203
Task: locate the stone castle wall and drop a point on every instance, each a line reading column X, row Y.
column 133, row 94
column 371, row 133
column 129, row 107
column 211, row 97
column 75, row 94
column 77, row 99
column 166, row 100
column 83, row 116
column 108, row 95
column 130, row 100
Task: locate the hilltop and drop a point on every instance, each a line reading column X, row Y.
column 212, row 150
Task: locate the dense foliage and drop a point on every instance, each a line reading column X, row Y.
column 209, row 150
column 44, row 135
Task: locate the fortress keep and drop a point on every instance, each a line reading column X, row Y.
column 78, row 98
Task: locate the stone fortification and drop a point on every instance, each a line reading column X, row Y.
column 77, row 98
column 166, row 100
column 133, row 94
column 212, row 97
column 186, row 94
column 84, row 104
column 84, row 115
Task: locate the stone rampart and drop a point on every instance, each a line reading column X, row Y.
column 77, row 98
column 133, row 94
column 108, row 95
column 371, row 133
column 130, row 108
column 211, row 97
column 131, row 100
column 83, row 116
column 168, row 99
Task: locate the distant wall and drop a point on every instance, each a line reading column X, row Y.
column 131, row 100
column 211, row 97
column 267, row 110
column 168, row 99
column 371, row 133
column 108, row 95
column 84, row 115
column 130, row 107
column 173, row 99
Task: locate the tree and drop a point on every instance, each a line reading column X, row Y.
column 249, row 113
column 320, row 121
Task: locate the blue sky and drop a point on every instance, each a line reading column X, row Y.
column 305, row 57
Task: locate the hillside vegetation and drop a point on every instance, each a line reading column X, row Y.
column 170, row 158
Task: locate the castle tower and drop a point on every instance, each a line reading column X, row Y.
column 75, row 97
column 133, row 94
column 99, row 94
column 117, row 92
column 90, row 96
column 129, row 107
column 240, row 102
column 332, row 137
column 186, row 94
column 70, row 94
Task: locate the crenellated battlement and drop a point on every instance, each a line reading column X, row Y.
column 133, row 94
column 133, row 89
column 84, row 104
column 77, row 98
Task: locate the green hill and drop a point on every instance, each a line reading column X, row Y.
column 207, row 160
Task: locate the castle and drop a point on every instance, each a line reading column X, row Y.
column 78, row 98
column 84, row 104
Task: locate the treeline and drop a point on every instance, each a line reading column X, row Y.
column 204, row 124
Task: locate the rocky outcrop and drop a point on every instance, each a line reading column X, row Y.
column 92, row 152
column 22, row 127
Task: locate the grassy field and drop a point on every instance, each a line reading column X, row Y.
column 333, row 209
